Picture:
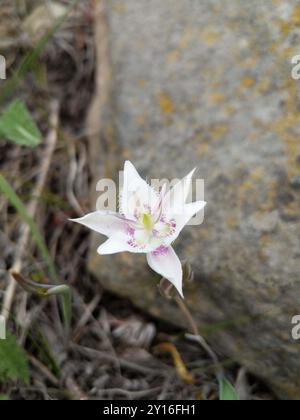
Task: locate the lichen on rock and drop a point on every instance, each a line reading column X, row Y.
column 209, row 84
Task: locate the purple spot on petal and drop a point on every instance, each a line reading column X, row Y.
column 130, row 231
column 161, row 250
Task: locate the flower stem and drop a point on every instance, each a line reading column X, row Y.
column 195, row 335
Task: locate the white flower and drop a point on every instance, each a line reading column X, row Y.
column 148, row 222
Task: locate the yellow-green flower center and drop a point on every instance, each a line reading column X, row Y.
column 147, row 221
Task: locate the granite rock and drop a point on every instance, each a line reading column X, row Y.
column 208, row 84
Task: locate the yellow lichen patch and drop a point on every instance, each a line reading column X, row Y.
column 263, row 86
column 292, row 209
column 189, row 64
column 288, row 52
column 142, row 83
column 249, row 62
column 166, row 104
column 247, row 82
column 296, row 15
column 140, row 120
column 258, row 173
column 231, row 221
column 202, row 149
column 112, row 150
column 285, row 28
column 217, row 97
column 230, row 110
column 256, row 176
column 205, row 234
column 209, row 37
column 148, row 135
column 120, row 7
column 126, row 153
column 292, row 206
column 203, row 140
column 265, row 240
column 271, row 197
column 186, row 38
column 180, row 126
column 250, row 184
column 253, row 137
column 173, row 57
column 292, row 150
column 284, row 126
column 218, row 131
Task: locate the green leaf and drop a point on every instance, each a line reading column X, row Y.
column 227, row 391
column 4, row 397
column 16, row 202
column 13, row 361
column 17, row 125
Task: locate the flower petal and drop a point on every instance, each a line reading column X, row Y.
column 189, row 211
column 166, row 263
column 176, row 198
column 142, row 241
column 114, row 245
column 137, row 196
column 104, row 222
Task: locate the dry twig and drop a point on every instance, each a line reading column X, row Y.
column 33, row 205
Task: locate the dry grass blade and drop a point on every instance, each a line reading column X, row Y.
column 186, row 376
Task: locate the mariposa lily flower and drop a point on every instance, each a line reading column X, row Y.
column 148, row 222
